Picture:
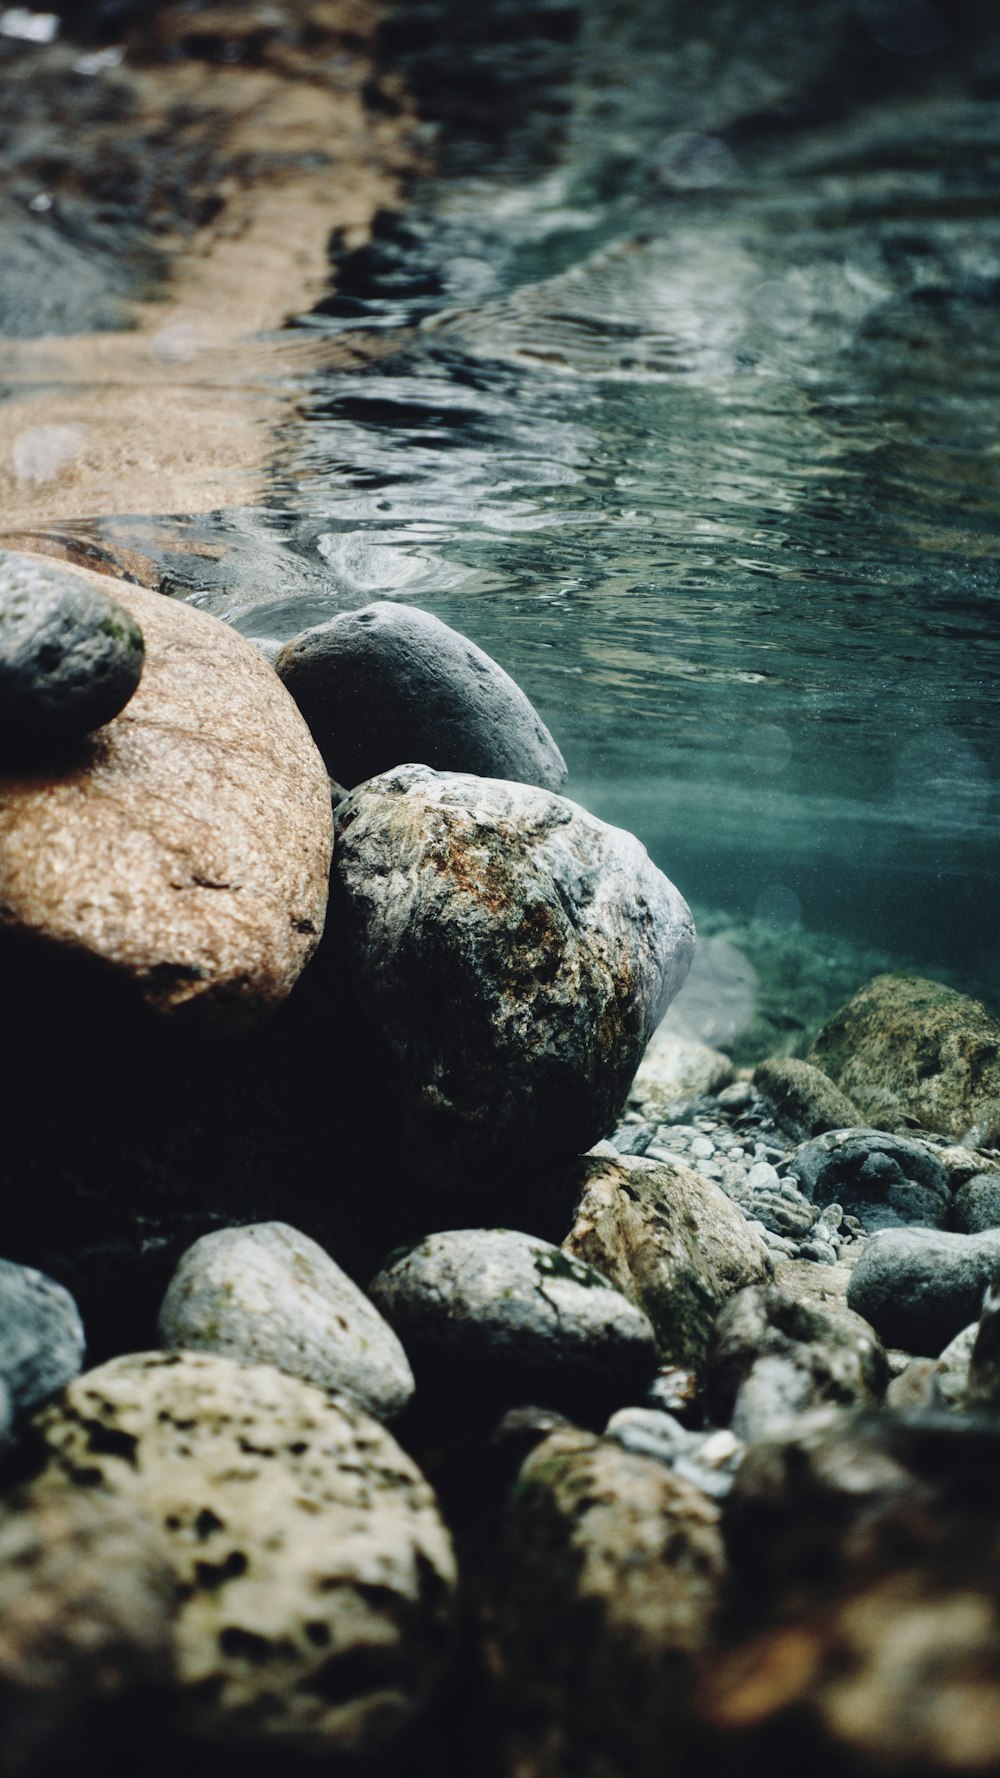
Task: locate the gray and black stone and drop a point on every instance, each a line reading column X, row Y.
column 510, row 954
column 389, row 685
column 885, row 1181
column 919, row 1287
column 516, row 1317
column 41, row 1337
column 70, row 656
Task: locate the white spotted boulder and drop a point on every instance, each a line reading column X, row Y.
column 314, row 1575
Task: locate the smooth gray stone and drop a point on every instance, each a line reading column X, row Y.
column 885, row 1181
column 834, row 1353
column 389, row 685
column 512, row 1313
column 267, row 1294
column 70, row 655
column 512, row 955
column 920, row 1287
column 41, row 1336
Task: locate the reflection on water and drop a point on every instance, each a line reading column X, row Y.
column 687, row 412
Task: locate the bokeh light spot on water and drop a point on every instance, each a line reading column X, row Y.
column 30, row 27
column 41, row 453
column 768, row 748
column 779, row 907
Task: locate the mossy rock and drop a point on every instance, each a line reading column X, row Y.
column 914, row 1054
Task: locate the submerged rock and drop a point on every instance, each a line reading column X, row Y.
column 885, row 1181
column 41, row 1337
column 267, row 1294
column 70, row 655
column 920, row 1287
column 675, row 1070
column 180, row 859
column 313, row 1572
column 389, row 685
column 773, row 1358
column 514, row 1316
column 912, row 1052
column 607, row 1580
column 976, row 1204
column 804, row 1099
column 867, row 1632
column 86, row 1647
column 671, row 1241
column 512, row 955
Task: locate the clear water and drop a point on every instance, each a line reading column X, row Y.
column 686, row 409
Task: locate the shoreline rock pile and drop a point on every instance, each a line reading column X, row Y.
column 692, row 1374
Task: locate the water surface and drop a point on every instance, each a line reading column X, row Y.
column 685, row 409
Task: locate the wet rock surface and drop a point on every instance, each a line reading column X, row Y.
column 884, row 1181
column 804, row 1099
column 511, row 956
column 671, row 1241
column 912, row 1052
column 87, row 1603
column 180, row 860
column 313, row 1572
column 70, row 655
column 773, row 1358
column 267, row 1294
column 390, row 685
column 508, row 1313
column 919, row 1287
column 41, row 1337
column 865, row 1560
column 608, row 1576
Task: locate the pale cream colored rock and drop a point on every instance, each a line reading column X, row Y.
column 314, row 1573
column 669, row 1240
column 186, row 846
column 675, row 1068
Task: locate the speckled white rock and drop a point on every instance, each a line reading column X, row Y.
column 314, row 1574
column 513, row 955
column 513, row 1309
column 267, row 1294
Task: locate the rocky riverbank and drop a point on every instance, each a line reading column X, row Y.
column 412, row 1349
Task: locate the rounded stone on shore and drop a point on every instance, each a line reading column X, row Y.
column 313, row 1573
column 389, row 684
column 71, row 656
column 515, row 1314
column 267, row 1294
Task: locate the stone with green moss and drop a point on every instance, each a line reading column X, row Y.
column 912, row 1053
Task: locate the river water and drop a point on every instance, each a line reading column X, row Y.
column 685, row 409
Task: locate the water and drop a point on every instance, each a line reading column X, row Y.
column 685, row 409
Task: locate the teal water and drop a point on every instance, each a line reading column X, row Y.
column 686, row 410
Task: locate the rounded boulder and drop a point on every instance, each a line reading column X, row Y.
column 511, row 955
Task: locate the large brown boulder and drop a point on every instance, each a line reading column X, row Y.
column 182, row 852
